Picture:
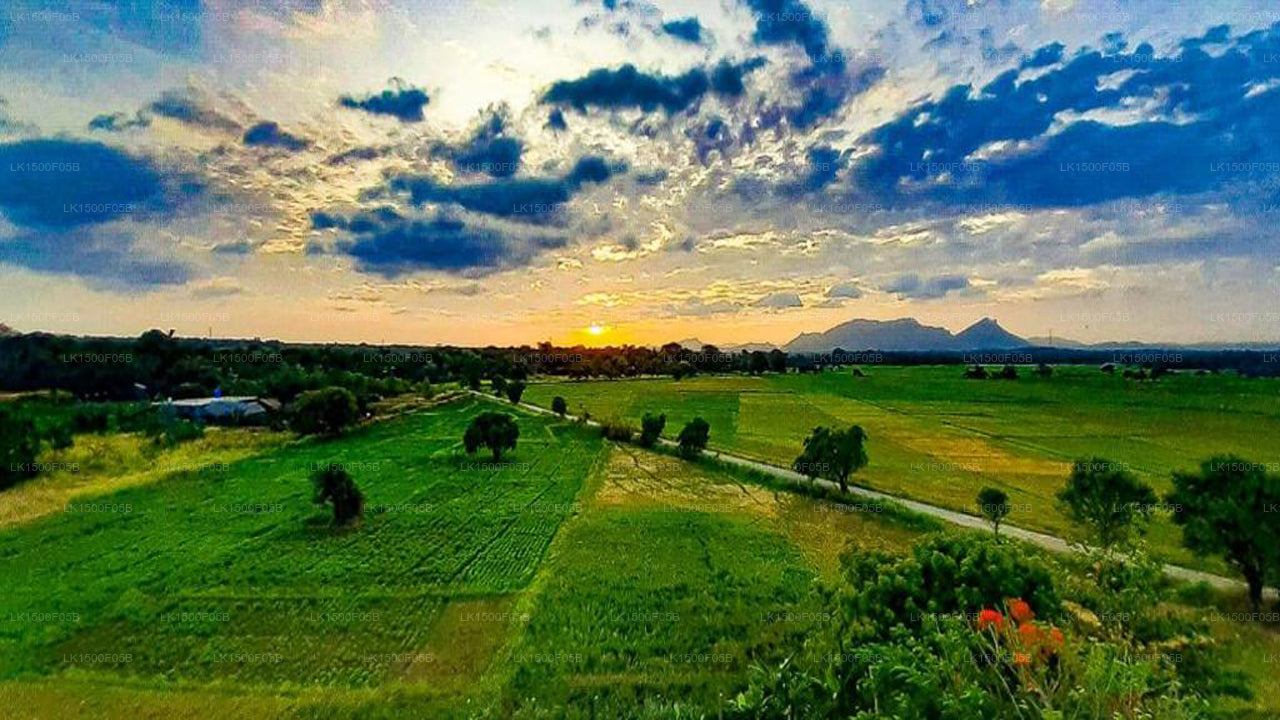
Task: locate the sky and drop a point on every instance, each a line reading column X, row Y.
column 624, row 171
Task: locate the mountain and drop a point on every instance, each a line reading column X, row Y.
column 696, row 345
column 6, row 331
column 986, row 334
column 903, row 334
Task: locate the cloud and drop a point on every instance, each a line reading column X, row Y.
column 687, row 29
column 390, row 244
column 269, row 134
column 216, row 288
column 104, row 258
column 695, row 307
column 781, row 22
column 555, row 120
column 233, row 248
column 490, row 149
column 356, row 154
column 1199, row 130
column 844, row 290
column 628, row 87
column 529, row 200
column 911, row 287
column 402, row 102
column 779, row 301
column 119, row 122
column 189, row 107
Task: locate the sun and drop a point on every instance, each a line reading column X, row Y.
column 596, row 329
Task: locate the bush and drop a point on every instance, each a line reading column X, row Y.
column 559, row 406
column 1008, row 372
column 334, row 486
column 19, row 446
column 977, row 372
column 328, row 411
column 651, row 429
column 496, row 431
column 515, row 390
column 693, row 438
column 616, row 429
column 167, row 431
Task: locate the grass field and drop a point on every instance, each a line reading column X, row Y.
column 939, row 438
column 579, row 579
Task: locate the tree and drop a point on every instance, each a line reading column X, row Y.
column 693, row 438
column 333, row 485
column 1230, row 508
column 514, row 391
column 496, row 431
column 1106, row 499
column 1008, row 372
column 499, row 385
column 977, row 372
column 777, row 361
column 327, row 411
column 559, row 406
column 811, row 460
column 651, row 428
column 758, row 363
column 846, row 453
column 993, row 504
column 1044, row 370
column 19, row 446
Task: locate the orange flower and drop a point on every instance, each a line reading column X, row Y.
column 1029, row 633
column 1056, row 635
column 1021, row 658
column 1020, row 610
column 988, row 618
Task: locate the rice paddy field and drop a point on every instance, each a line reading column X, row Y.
column 577, row 578
column 939, row 438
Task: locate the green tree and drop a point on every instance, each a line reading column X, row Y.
column 846, row 453
column 651, row 427
column 693, row 438
column 334, row 486
column 19, row 446
column 327, row 411
column 496, row 431
column 514, row 390
column 812, row 460
column 1231, row 508
column 993, row 504
column 1106, row 499
column 499, row 385
column 559, row 406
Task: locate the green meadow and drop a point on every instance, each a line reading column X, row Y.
column 939, row 438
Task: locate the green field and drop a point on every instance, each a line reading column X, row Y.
column 939, row 438
column 582, row 579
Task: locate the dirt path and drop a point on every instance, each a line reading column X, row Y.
column 1049, row 542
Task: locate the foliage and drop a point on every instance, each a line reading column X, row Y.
column 19, row 446
column 166, row 430
column 977, row 372
column 496, row 431
column 515, row 389
column 616, row 429
column 328, row 411
column 499, row 385
column 993, row 503
column 1107, row 499
column 651, row 427
column 559, row 406
column 1008, row 372
column 833, row 454
column 1229, row 508
column 334, row 486
column 693, row 438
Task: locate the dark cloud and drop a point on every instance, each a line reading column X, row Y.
column 784, row 22
column 1223, row 98
column 911, row 287
column 403, row 102
column 356, row 154
column 491, row 149
column 389, row 244
column 233, row 248
column 187, row 107
column 627, row 87
column 686, row 29
column 269, row 134
column 59, row 193
column 1047, row 55
column 119, row 122
column 779, row 301
column 844, row 290
column 555, row 120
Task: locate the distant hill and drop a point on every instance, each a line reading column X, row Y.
column 696, row 345
column 6, row 331
column 906, row 334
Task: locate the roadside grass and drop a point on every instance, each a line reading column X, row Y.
column 939, row 438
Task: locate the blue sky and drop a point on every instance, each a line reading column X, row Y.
column 492, row 172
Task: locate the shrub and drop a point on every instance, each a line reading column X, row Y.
column 19, row 446
column 651, row 429
column 616, row 429
column 693, row 438
column 328, row 411
column 559, row 406
column 1008, row 372
column 977, row 372
column 334, row 486
column 515, row 389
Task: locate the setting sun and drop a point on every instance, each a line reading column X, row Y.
column 596, row 329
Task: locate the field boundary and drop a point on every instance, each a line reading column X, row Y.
column 1049, row 542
